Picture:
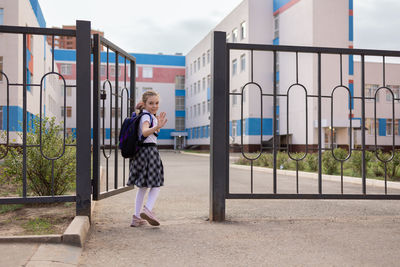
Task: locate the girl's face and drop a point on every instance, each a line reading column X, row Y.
column 152, row 104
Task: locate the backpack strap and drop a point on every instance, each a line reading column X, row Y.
column 151, row 124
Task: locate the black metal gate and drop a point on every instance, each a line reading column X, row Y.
column 121, row 100
column 219, row 165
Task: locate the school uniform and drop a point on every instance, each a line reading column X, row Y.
column 146, row 168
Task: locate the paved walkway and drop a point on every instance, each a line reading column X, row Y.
column 256, row 233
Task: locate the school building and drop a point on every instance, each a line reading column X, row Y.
column 184, row 82
column 38, row 62
column 318, row 23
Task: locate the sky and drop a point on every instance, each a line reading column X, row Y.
column 175, row 26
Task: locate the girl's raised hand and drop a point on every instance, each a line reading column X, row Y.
column 162, row 119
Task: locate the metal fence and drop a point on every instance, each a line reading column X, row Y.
column 219, row 164
column 118, row 99
column 83, row 119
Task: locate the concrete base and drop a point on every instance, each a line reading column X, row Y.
column 77, row 231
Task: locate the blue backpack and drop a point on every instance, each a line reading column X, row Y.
column 129, row 139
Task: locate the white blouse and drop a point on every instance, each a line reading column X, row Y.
column 151, row 138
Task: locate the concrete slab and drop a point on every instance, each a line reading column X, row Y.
column 56, row 253
column 77, row 231
column 31, row 239
column 16, row 254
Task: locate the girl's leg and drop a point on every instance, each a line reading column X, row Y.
column 139, row 200
column 151, row 199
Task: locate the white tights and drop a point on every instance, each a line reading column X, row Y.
column 151, row 199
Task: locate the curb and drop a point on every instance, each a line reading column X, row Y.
column 334, row 178
column 75, row 234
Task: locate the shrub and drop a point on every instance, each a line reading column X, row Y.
column 292, row 163
column 329, row 164
column 392, row 167
column 282, row 160
column 355, row 162
column 311, row 161
column 38, row 168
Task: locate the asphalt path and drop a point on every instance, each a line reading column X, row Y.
column 256, row 232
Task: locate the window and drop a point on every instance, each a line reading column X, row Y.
column 180, row 102
column 112, row 71
column 198, row 109
column 243, row 31
column 389, row 127
column 146, row 89
column 234, row 67
column 1, row 67
column 66, row 69
column 147, row 72
column 194, row 88
column 136, row 72
column 396, row 127
column 198, row 64
column 234, row 97
column 276, row 27
column 204, row 107
column 208, row 81
column 242, row 62
column 204, row 83
column 113, row 112
column 234, row 128
column 1, row 16
column 208, row 106
column 102, row 112
column 228, row 37
column 180, row 123
column 69, row 111
column 198, row 86
column 395, row 90
column 208, row 56
column 69, row 91
column 370, row 90
column 204, row 59
column 235, row 35
column 194, row 66
column 102, row 70
column 191, row 113
column 180, row 82
column 370, row 125
column 191, row 90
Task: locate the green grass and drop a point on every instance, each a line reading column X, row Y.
column 10, row 207
column 39, row 226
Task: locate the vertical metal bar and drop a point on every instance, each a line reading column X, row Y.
column 363, row 165
column 83, row 157
column 24, row 107
column 132, row 85
column 319, row 126
column 274, row 148
column 251, row 179
column 52, row 54
column 116, row 113
column 96, row 117
column 219, row 163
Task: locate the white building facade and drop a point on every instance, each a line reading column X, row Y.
column 39, row 61
column 315, row 23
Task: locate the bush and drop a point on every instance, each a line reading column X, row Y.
column 311, row 161
column 356, row 161
column 329, row 164
column 38, row 168
column 392, row 167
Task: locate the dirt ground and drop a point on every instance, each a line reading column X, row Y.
column 37, row 219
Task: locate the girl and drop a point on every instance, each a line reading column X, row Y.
column 146, row 169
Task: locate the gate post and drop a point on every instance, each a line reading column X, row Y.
column 96, row 117
column 219, row 146
column 83, row 110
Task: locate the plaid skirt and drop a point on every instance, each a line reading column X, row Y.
column 146, row 168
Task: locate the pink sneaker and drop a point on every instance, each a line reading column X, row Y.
column 149, row 217
column 137, row 221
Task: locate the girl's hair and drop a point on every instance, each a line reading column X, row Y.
column 145, row 96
